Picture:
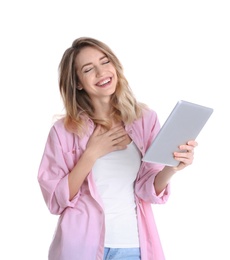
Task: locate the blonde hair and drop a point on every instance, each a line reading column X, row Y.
column 77, row 102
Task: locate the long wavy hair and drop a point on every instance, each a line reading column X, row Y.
column 77, row 103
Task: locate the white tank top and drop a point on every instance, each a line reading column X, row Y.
column 114, row 175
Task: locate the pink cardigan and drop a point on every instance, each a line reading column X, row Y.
column 80, row 229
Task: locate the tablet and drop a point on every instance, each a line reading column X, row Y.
column 183, row 124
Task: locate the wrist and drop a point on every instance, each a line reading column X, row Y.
column 89, row 156
column 169, row 170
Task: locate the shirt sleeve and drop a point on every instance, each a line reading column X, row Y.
column 53, row 174
column 144, row 187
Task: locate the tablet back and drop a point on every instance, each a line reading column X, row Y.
column 183, row 124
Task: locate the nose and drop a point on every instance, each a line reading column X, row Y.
column 99, row 71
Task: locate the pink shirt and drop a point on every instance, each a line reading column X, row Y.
column 81, row 228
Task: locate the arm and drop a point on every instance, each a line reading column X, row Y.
column 80, row 171
column 99, row 144
column 154, row 179
column 59, row 177
column 162, row 179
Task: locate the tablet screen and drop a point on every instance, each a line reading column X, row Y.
column 183, row 124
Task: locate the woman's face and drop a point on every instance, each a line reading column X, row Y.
column 96, row 74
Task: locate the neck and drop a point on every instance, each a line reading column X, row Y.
column 102, row 109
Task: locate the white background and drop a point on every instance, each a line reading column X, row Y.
column 170, row 50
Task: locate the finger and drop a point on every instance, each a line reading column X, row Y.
column 184, row 156
column 186, row 148
column 192, row 143
column 97, row 130
column 119, row 139
column 119, row 147
column 117, row 133
column 179, row 155
column 116, row 128
column 183, row 160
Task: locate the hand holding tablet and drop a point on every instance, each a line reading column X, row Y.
column 183, row 124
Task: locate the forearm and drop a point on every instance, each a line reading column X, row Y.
column 163, row 178
column 79, row 173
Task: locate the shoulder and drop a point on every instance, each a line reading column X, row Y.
column 59, row 138
column 59, row 124
column 148, row 113
column 59, row 133
column 62, row 135
column 149, row 116
column 59, row 127
column 148, row 120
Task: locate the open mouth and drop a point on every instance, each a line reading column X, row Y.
column 104, row 82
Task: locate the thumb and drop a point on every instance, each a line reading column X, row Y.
column 97, row 130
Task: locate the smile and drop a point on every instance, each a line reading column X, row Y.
column 103, row 82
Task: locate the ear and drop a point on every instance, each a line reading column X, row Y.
column 79, row 87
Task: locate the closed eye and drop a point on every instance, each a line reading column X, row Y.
column 106, row 62
column 88, row 69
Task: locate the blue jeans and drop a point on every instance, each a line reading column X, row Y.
column 122, row 253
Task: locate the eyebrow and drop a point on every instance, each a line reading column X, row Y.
column 87, row 64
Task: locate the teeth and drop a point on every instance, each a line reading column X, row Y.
column 104, row 82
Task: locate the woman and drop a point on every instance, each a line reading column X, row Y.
column 91, row 173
